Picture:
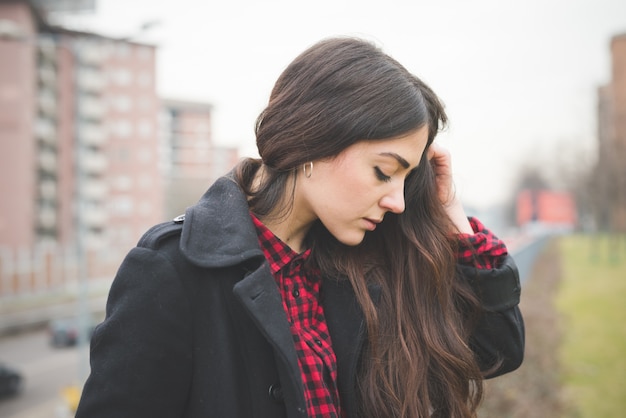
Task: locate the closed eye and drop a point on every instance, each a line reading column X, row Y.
column 380, row 175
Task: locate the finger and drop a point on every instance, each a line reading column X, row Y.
column 433, row 149
column 438, row 153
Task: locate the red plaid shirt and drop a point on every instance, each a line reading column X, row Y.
column 483, row 249
column 300, row 290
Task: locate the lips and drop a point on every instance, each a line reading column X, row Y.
column 371, row 223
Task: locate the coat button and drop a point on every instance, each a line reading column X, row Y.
column 276, row 393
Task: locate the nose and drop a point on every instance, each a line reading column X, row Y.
column 394, row 200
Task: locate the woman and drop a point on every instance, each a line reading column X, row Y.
column 336, row 276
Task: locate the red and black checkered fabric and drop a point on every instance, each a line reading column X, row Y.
column 300, row 291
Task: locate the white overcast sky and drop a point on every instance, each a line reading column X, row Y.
column 518, row 78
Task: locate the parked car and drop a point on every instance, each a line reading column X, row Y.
column 10, row 381
column 65, row 332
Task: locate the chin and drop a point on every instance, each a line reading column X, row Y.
column 351, row 240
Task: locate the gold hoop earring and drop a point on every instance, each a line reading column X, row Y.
column 304, row 169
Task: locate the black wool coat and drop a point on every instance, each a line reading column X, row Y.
column 195, row 325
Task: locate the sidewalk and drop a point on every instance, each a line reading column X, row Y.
column 35, row 311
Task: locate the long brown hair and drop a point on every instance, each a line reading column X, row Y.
column 417, row 362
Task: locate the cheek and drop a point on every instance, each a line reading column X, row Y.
column 348, row 187
column 359, row 192
column 352, row 195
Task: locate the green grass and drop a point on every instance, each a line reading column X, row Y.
column 592, row 302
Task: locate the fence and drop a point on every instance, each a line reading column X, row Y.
column 51, row 269
column 526, row 253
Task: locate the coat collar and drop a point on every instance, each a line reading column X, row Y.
column 218, row 231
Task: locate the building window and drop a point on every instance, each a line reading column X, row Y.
column 144, row 155
column 145, row 181
column 121, row 128
column 144, row 79
column 144, row 128
column 123, row 182
column 123, row 155
column 122, row 103
column 122, row 205
column 122, row 50
column 145, row 103
column 122, row 234
column 144, row 53
column 122, row 77
column 145, row 208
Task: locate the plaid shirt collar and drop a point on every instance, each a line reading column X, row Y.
column 276, row 251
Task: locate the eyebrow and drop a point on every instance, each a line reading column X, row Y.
column 404, row 163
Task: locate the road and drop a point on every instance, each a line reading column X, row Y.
column 46, row 371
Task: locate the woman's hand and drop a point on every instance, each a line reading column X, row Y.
column 441, row 162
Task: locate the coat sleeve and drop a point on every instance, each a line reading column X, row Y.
column 498, row 337
column 141, row 353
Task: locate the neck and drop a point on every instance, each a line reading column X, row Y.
column 291, row 227
column 289, row 231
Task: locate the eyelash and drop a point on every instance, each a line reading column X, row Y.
column 380, row 175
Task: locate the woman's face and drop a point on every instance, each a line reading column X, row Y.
column 352, row 192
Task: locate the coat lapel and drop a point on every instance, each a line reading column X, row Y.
column 260, row 297
column 346, row 326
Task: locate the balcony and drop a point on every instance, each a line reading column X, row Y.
column 91, row 108
column 47, row 217
column 93, row 190
column 47, row 75
column 48, row 190
column 94, row 217
column 92, row 163
column 90, row 81
column 45, row 131
column 47, row 161
column 92, row 134
column 47, row 103
column 90, row 54
column 47, row 49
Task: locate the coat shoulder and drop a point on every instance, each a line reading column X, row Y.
column 156, row 236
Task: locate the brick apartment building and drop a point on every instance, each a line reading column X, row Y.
column 88, row 151
column 611, row 171
column 82, row 127
column 78, row 129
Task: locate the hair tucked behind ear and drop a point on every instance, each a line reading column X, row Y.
column 417, row 362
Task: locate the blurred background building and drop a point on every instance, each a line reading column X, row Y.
column 582, row 193
column 192, row 160
column 89, row 154
column 610, row 177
